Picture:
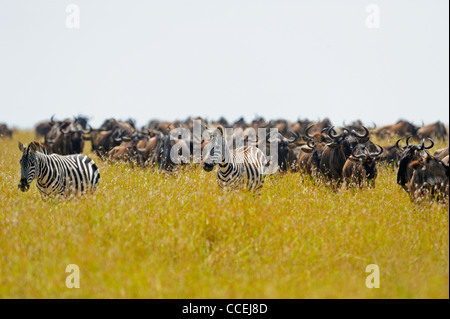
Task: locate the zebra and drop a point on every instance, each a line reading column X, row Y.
column 56, row 175
column 244, row 167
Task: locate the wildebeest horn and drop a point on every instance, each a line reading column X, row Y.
column 362, row 155
column 88, row 131
column 397, row 143
column 310, row 145
column 427, row 147
column 292, row 139
column 361, row 136
column 375, row 154
column 307, row 131
column 52, row 120
column 332, row 133
column 407, row 140
column 116, row 135
column 64, row 131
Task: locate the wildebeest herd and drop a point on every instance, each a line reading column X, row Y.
column 332, row 155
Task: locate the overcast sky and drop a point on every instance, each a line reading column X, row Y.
column 172, row 59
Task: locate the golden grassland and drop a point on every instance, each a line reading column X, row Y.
column 150, row 235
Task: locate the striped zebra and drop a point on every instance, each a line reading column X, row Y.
column 56, row 175
column 244, row 167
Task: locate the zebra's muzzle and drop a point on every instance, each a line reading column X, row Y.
column 208, row 167
column 23, row 186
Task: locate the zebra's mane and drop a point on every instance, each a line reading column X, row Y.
column 39, row 147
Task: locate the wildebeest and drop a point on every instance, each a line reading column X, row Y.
column 127, row 151
column 43, row 128
column 429, row 179
column 128, row 127
column 103, row 141
column 401, row 128
column 436, row 131
column 309, row 155
column 320, row 126
column 5, row 131
column 299, row 126
column 286, row 158
column 441, row 153
column 139, row 147
column 360, row 169
column 335, row 154
column 390, row 155
column 172, row 151
column 152, row 150
column 355, row 125
column 410, row 153
column 66, row 137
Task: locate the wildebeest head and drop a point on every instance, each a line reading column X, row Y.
column 165, row 153
column 348, row 139
column 43, row 128
column 175, row 150
column 283, row 147
column 317, row 137
column 436, row 130
column 367, row 159
column 315, row 144
column 441, row 153
column 152, row 152
column 73, row 136
column 81, row 121
column 390, row 155
column 409, row 149
column 430, row 177
column 409, row 153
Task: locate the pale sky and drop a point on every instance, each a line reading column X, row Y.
column 172, row 59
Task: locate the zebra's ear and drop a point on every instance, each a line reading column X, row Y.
column 220, row 130
column 32, row 147
column 21, row 147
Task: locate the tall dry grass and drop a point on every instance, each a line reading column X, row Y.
column 150, row 235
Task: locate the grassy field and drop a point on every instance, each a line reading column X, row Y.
column 150, row 235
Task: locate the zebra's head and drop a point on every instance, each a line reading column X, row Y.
column 214, row 151
column 28, row 166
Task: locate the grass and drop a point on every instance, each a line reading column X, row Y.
column 150, row 235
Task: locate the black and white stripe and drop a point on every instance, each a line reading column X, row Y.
column 243, row 167
column 56, row 174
